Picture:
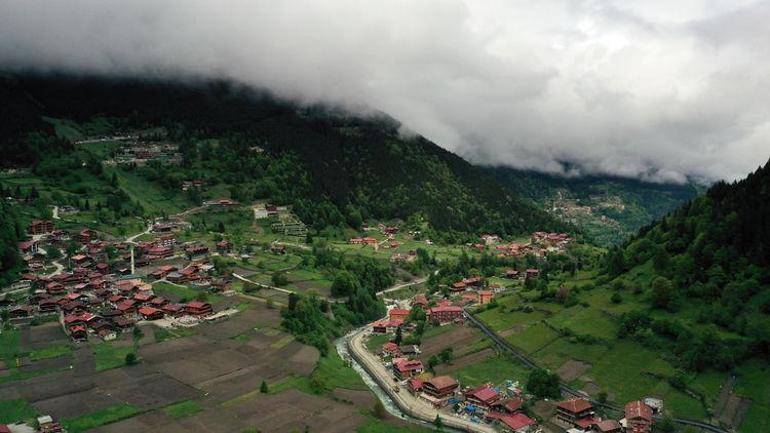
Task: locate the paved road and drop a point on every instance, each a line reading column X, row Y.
column 405, row 400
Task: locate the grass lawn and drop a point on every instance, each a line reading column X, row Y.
column 12, row 411
column 99, row 418
column 164, row 334
column 183, row 292
column 533, row 337
column 500, row 320
column 622, row 371
column 9, row 346
column 375, row 342
column 585, row 321
column 434, row 331
column 109, row 355
column 754, row 383
column 333, row 372
column 50, row 352
column 183, row 409
column 496, row 369
column 152, row 198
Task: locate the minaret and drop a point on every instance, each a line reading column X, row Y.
column 132, row 260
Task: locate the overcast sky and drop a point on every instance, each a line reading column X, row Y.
column 657, row 89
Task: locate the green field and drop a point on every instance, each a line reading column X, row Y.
column 183, row 409
column 12, row 411
column 50, row 352
column 624, row 369
column 109, row 355
column 754, row 383
column 99, row 418
column 495, row 370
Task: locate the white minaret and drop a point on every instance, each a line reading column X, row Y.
column 132, row 260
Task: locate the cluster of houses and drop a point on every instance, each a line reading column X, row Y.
column 99, row 298
column 89, row 303
column 139, row 153
column 579, row 416
column 540, row 243
column 195, row 184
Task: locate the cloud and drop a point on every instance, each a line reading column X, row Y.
column 652, row 89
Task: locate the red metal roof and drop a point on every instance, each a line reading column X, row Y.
column 149, row 311
column 637, row 409
column 517, row 421
column 576, row 405
column 483, row 393
column 441, row 382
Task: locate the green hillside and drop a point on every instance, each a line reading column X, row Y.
column 703, row 275
column 337, row 169
column 607, row 209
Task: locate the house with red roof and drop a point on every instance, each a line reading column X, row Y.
column 444, row 314
column 143, row 297
column 150, row 313
column 415, row 385
column 405, row 368
column 78, row 332
column 483, row 397
column 508, row 406
column 390, row 349
column 485, row 296
column 40, row 227
column 173, row 310
column 197, row 308
column 517, row 423
column 420, row 300
column 384, row 326
column 638, row 417
column 127, row 306
column 608, row 426
column 576, row 412
column 398, row 314
column 28, row 247
column 440, row 388
column 458, row 286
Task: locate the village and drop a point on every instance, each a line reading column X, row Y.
column 503, row 406
column 101, row 288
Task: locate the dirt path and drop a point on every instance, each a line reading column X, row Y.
column 401, row 286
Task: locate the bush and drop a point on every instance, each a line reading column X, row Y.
column 131, row 359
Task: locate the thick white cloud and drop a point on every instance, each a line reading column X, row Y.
column 656, row 89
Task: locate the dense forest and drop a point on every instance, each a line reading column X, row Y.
column 709, row 262
column 338, row 169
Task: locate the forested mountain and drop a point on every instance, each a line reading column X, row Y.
column 344, row 169
column 710, row 263
column 608, row 209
